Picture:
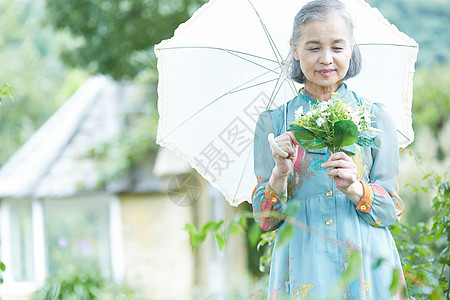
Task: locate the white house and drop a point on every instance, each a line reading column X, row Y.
column 52, row 209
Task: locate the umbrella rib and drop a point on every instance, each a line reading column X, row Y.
column 242, row 173
column 404, row 136
column 249, row 87
column 291, row 84
column 269, row 37
column 217, row 48
column 254, row 62
column 272, row 97
column 235, row 90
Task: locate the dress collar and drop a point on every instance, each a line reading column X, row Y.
column 305, row 95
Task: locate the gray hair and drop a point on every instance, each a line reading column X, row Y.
column 320, row 10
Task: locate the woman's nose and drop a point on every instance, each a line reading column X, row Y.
column 325, row 57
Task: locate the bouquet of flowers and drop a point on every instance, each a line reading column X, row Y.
column 333, row 124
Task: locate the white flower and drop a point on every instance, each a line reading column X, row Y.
column 323, row 106
column 309, row 114
column 373, row 129
column 366, row 115
column 355, row 118
column 320, row 121
column 299, row 113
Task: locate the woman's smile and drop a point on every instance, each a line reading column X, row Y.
column 326, row 72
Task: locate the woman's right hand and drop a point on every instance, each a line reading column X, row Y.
column 289, row 144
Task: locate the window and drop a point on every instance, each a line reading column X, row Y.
column 77, row 234
column 21, row 239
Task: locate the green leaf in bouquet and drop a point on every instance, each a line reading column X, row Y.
column 306, row 137
column 307, row 141
column 318, row 141
column 316, row 146
column 345, row 133
column 366, row 142
column 298, row 128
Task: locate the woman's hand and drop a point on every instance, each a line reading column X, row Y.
column 344, row 172
column 283, row 166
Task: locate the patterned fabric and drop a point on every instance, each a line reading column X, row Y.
column 310, row 266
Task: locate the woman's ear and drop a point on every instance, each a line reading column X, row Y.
column 294, row 51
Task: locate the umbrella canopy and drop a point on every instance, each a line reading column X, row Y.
column 227, row 64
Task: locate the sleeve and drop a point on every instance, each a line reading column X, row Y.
column 381, row 204
column 264, row 198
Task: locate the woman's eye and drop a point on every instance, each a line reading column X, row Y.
column 314, row 49
column 338, row 49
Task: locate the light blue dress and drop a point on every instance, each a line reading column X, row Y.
column 309, row 266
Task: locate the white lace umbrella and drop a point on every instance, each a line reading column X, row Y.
column 227, row 64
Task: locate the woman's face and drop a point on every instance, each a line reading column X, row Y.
column 324, row 51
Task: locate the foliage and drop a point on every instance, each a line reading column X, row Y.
column 2, row 269
column 116, row 37
column 432, row 102
column 5, row 92
column 427, row 21
column 40, row 81
column 81, row 283
column 431, row 97
column 424, row 247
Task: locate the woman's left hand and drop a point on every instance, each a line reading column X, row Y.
column 345, row 174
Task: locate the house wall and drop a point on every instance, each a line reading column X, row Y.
column 219, row 272
column 157, row 255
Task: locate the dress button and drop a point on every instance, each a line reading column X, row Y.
column 363, row 207
column 273, row 200
column 329, row 222
column 329, row 193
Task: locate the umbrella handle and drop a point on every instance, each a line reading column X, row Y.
column 275, row 146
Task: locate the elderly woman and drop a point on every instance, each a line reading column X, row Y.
column 350, row 196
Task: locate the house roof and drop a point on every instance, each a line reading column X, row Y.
column 54, row 161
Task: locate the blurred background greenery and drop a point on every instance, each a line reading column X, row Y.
column 48, row 48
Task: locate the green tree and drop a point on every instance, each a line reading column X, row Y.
column 116, row 37
column 427, row 21
column 431, row 102
column 31, row 66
